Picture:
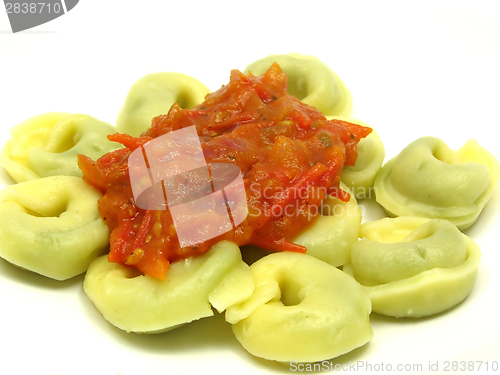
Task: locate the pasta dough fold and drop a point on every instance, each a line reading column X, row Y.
column 332, row 235
column 48, row 144
column 53, row 226
column 427, row 179
column 140, row 303
column 310, row 81
column 153, row 95
column 414, row 267
column 302, row 310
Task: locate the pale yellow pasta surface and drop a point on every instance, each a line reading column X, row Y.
column 332, row 235
column 141, row 303
column 153, row 95
column 310, row 81
column 302, row 310
column 414, row 267
column 51, row 226
column 428, row 179
column 48, row 144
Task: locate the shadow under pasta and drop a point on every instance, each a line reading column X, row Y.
column 196, row 336
column 10, row 271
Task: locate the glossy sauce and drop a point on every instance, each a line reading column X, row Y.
column 289, row 155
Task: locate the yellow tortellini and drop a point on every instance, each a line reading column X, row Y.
column 428, row 179
column 310, row 81
column 332, row 235
column 371, row 153
column 414, row 267
column 51, row 226
column 141, row 303
column 48, row 144
column 302, row 310
column 153, row 95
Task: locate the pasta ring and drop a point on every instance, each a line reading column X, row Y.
column 141, row 303
column 332, row 235
column 153, row 95
column 48, row 144
column 310, row 81
column 302, row 310
column 53, row 226
column 427, row 179
column 414, row 267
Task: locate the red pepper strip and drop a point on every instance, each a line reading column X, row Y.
column 307, row 179
column 120, row 242
column 278, row 245
column 128, row 141
column 144, row 229
column 238, row 119
column 107, row 160
column 325, row 180
column 92, row 173
column 279, row 204
column 157, row 268
column 333, row 167
column 356, row 130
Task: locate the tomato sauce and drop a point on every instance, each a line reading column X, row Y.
column 289, row 155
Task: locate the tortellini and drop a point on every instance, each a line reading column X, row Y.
column 371, row 153
column 332, row 235
column 302, row 310
column 310, row 81
column 48, row 144
column 414, row 267
column 51, row 226
column 153, row 95
column 141, row 303
column 428, row 179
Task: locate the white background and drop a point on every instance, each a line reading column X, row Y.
column 414, row 69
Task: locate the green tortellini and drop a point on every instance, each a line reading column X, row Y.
column 310, row 81
column 48, row 144
column 302, row 310
column 414, row 267
column 428, row 179
column 141, row 303
column 51, row 226
column 371, row 153
column 153, row 95
column 332, row 235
